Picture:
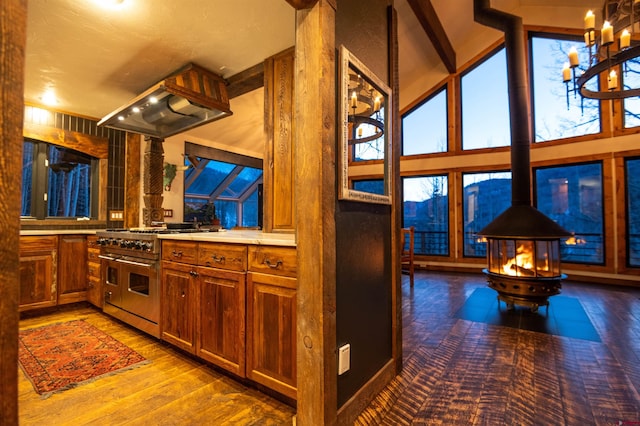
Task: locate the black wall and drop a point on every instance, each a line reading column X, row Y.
column 363, row 230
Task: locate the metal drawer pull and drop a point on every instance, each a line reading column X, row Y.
column 272, row 265
column 177, row 253
column 217, row 259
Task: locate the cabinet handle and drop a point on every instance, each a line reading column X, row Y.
column 193, row 273
column 217, row 259
column 177, row 253
column 183, row 295
column 272, row 265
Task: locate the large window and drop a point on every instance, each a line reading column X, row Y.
column 557, row 113
column 485, row 104
column 632, row 170
column 222, row 183
column 57, row 181
column 631, row 80
column 572, row 196
column 485, row 196
column 426, row 207
column 424, row 128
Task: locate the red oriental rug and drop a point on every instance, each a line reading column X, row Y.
column 60, row 356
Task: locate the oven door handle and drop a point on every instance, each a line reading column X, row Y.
column 130, row 262
column 102, row 256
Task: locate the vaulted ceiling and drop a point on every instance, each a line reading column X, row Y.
column 96, row 58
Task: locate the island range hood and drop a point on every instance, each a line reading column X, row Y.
column 189, row 97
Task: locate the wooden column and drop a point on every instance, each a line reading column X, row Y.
column 132, row 181
column 315, row 195
column 153, row 187
column 13, row 22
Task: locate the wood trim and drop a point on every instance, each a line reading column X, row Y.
column 316, row 198
column 245, row 81
column 428, row 18
column 12, row 59
column 302, row 4
column 94, row 146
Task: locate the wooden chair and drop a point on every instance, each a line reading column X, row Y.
column 406, row 257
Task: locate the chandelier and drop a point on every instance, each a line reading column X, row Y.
column 606, row 54
column 366, row 123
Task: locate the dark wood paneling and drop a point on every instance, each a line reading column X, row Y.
column 72, row 269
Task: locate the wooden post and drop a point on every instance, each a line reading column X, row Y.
column 13, row 23
column 315, row 194
column 153, row 185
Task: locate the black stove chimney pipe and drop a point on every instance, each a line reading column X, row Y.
column 520, row 114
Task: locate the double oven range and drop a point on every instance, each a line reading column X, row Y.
column 130, row 264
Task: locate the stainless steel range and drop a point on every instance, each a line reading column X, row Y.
column 130, row 276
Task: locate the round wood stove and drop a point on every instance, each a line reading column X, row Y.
column 524, row 271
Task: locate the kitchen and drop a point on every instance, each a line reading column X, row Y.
column 133, row 215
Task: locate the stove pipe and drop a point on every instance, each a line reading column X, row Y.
column 521, row 219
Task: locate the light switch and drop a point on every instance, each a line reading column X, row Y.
column 344, row 358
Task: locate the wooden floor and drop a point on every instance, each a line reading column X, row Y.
column 461, row 372
column 173, row 389
column 456, row 371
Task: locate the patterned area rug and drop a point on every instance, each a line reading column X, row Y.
column 61, row 356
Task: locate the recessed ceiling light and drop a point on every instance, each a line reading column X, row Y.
column 49, row 98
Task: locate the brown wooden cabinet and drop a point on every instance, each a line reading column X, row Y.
column 94, row 282
column 271, row 318
column 72, row 269
column 179, row 302
column 38, row 272
column 279, row 202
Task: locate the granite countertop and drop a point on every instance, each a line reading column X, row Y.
column 236, row 236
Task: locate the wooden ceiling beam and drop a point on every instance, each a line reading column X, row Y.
column 302, row 4
column 245, row 81
column 426, row 14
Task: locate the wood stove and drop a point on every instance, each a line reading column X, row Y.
column 523, row 245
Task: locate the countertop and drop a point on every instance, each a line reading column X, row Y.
column 36, row 232
column 236, row 236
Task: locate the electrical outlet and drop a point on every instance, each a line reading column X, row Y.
column 344, row 358
column 117, row 215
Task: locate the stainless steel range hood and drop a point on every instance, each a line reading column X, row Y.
column 190, row 97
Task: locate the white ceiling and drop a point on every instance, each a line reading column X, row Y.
column 97, row 58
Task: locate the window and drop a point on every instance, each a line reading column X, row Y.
column 572, row 196
column 373, row 133
column 558, row 114
column 223, row 184
column 631, row 79
column 424, row 128
column 426, row 207
column 485, row 196
column 632, row 169
column 485, row 104
column 57, row 181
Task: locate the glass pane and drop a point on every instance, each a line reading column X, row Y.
column 572, row 196
column 69, row 183
column 632, row 167
column 485, row 196
column 250, row 210
column 554, row 119
column 28, row 159
column 631, row 80
column 227, row 212
column 374, row 186
column 424, row 128
column 426, row 207
column 207, row 177
column 485, row 104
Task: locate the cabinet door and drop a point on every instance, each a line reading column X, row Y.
column 94, row 282
column 38, row 278
column 72, row 269
column 179, row 300
column 271, row 332
column 222, row 318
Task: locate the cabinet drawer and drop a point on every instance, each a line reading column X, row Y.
column 273, row 260
column 92, row 255
column 93, row 270
column 180, row 251
column 232, row 257
column 92, row 242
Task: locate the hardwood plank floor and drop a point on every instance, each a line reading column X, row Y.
column 463, row 372
column 456, row 371
column 173, row 389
